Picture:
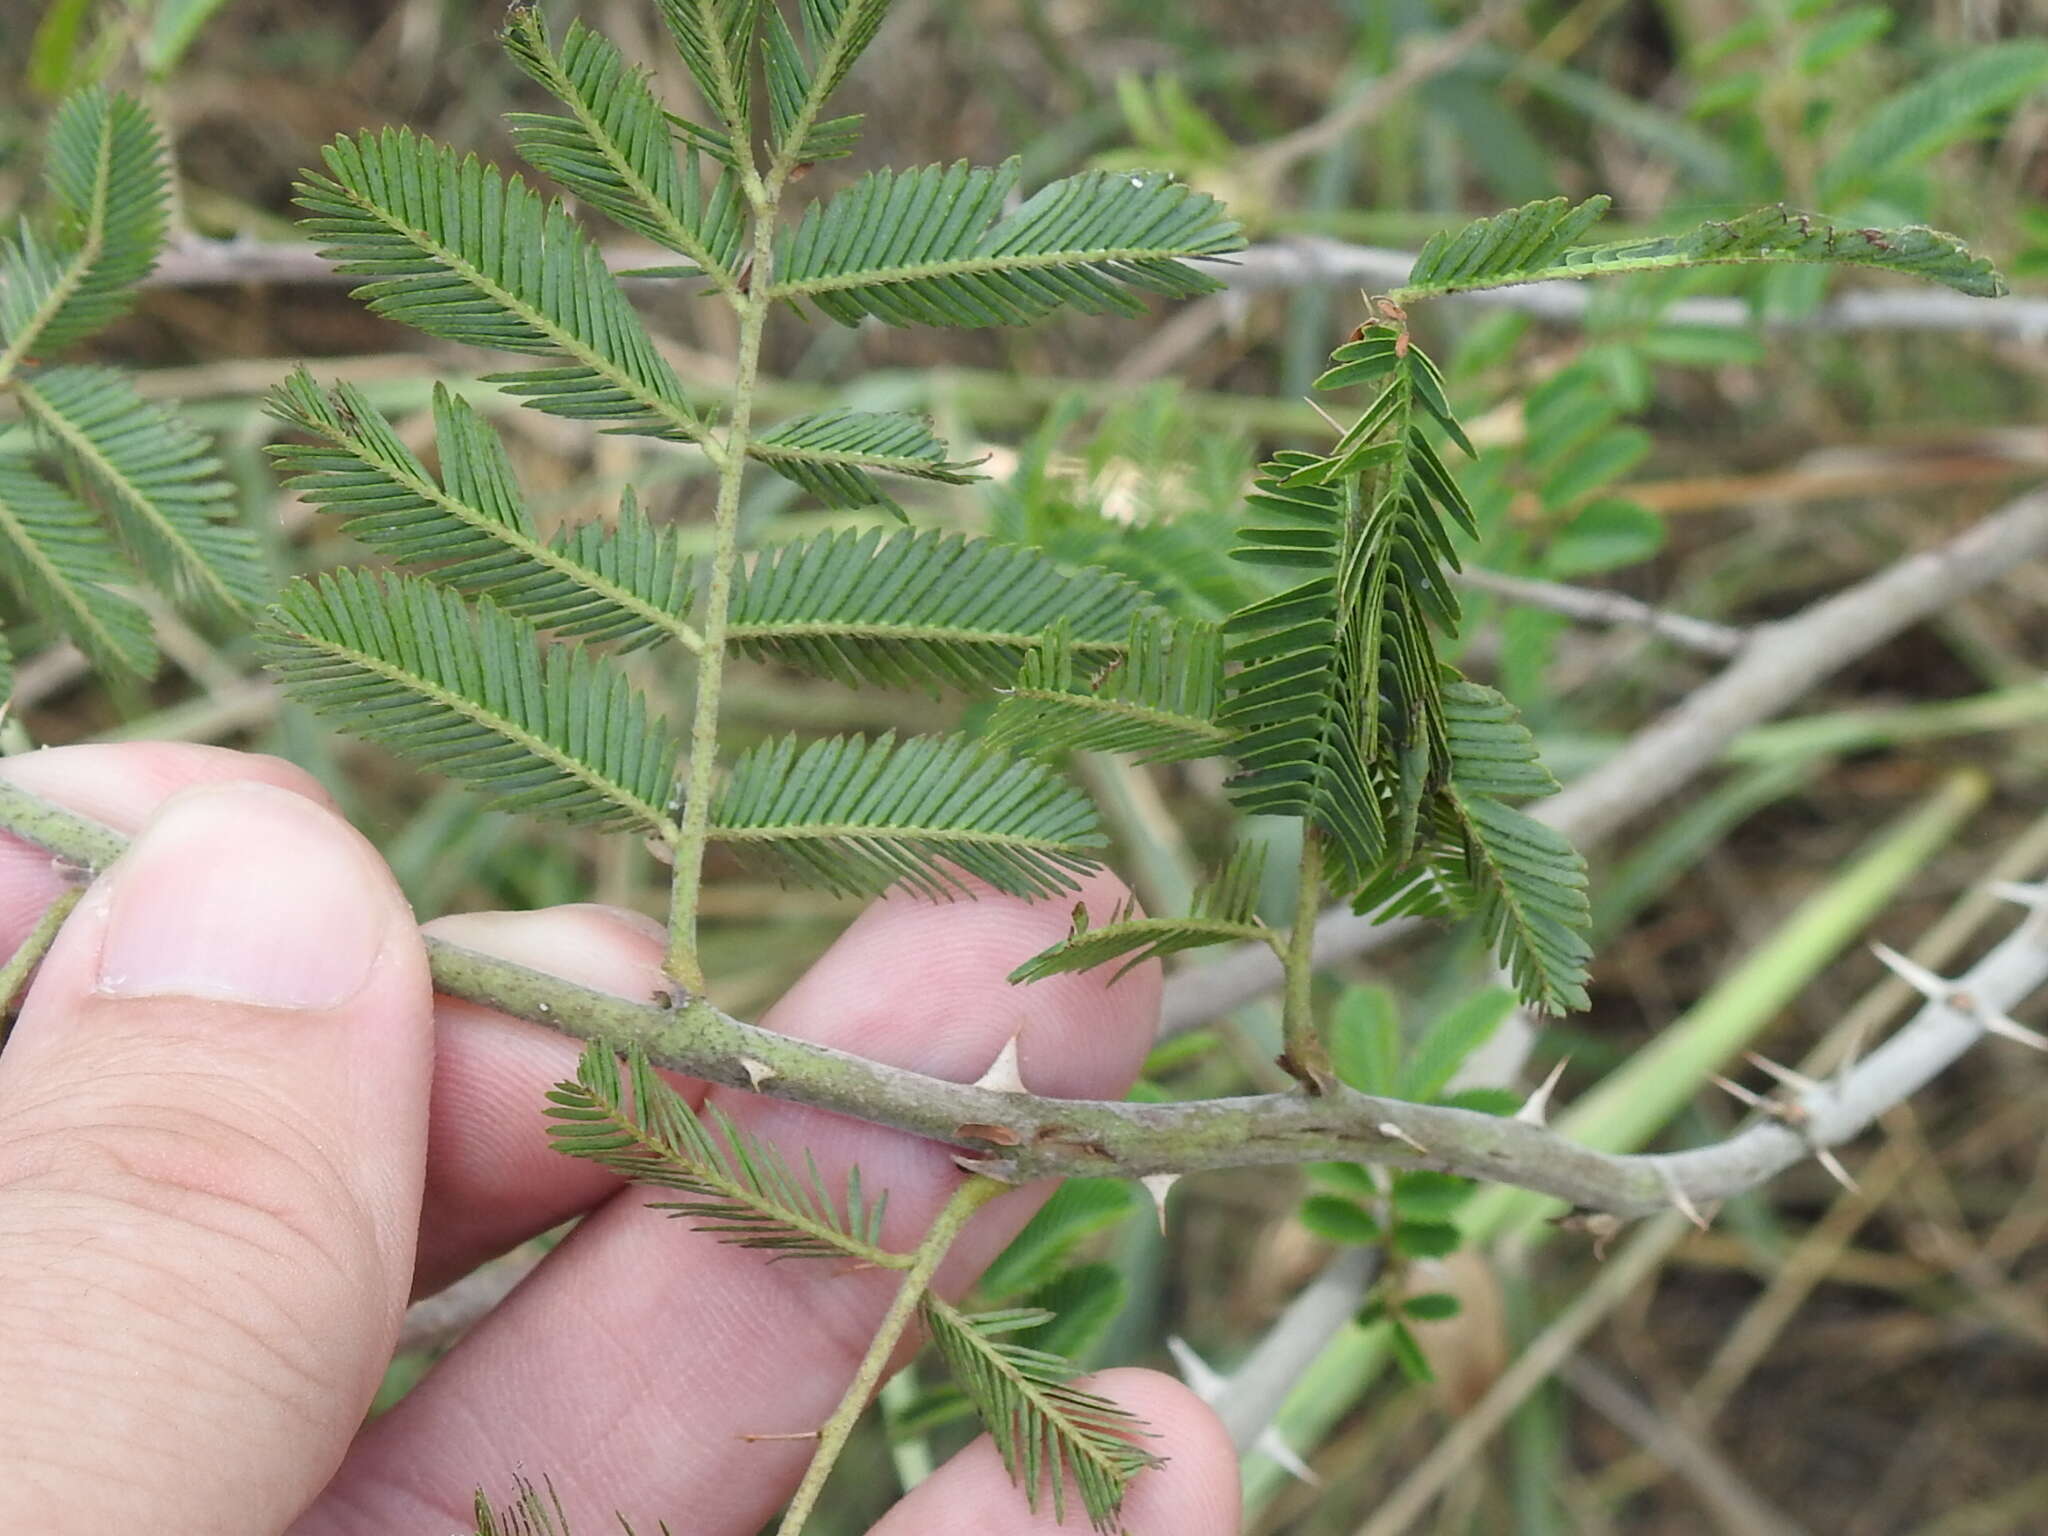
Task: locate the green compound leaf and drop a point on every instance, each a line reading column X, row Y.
column 57, row 556
column 466, row 690
column 858, row 816
column 615, row 149
column 919, row 609
column 629, row 583
column 108, row 187
column 457, row 251
column 1224, row 911
column 1049, row 1432
column 832, row 454
column 931, row 246
column 159, row 479
column 743, row 1191
column 1158, row 702
column 1533, row 243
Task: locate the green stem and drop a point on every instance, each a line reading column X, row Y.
column 968, row 1199
column 21, row 964
column 682, row 961
column 1303, row 1053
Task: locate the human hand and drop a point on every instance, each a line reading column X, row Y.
column 237, row 1131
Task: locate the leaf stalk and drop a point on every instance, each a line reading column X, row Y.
column 1303, row 1053
column 682, row 960
column 968, row 1199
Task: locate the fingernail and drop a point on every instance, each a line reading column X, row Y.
column 244, row 894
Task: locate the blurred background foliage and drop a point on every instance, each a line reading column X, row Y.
column 1824, row 1361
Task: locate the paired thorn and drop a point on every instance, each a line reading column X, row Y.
column 1537, row 1105
column 1827, row 1159
column 1938, row 990
column 1798, row 1082
column 1003, row 1075
column 1680, row 1200
column 1156, row 1185
column 2011, row 1029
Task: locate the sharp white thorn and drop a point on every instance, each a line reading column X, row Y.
column 1833, row 1164
column 1274, row 1449
column 1335, row 426
column 1537, row 1105
column 758, row 1072
column 1002, row 1075
column 1156, row 1185
column 1748, row 1096
column 1681, row 1201
column 2011, row 1029
column 1784, row 1074
column 1203, row 1379
column 2034, row 896
column 1935, row 989
column 1393, row 1132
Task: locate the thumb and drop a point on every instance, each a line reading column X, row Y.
column 212, row 1134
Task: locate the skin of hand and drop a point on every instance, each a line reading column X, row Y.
column 238, row 1132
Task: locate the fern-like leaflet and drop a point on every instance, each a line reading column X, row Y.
column 1482, row 856
column 1048, row 1431
column 920, row 609
column 860, row 816
column 470, row 691
column 614, row 149
column 114, row 488
column 742, row 1190
column 1157, row 702
column 1223, row 911
column 471, row 530
column 932, row 247
column 1536, row 242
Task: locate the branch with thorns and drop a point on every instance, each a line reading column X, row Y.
column 1008, row 1133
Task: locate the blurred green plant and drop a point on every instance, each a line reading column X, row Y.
column 100, row 489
